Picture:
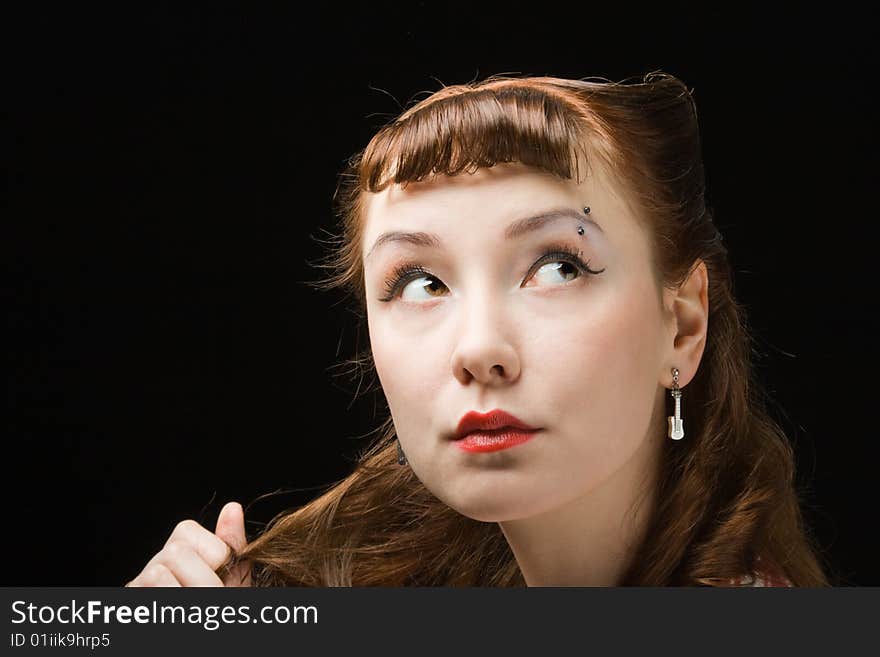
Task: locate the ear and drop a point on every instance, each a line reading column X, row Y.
column 688, row 321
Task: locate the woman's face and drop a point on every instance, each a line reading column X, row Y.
column 491, row 324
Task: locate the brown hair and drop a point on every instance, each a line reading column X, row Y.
column 727, row 495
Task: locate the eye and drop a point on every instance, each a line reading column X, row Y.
column 558, row 266
column 413, row 283
column 556, row 272
column 422, row 288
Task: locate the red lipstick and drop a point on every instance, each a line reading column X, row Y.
column 489, row 432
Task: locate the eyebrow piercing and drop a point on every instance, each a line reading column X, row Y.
column 581, row 228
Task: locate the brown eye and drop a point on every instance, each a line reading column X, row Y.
column 430, row 285
column 410, row 275
column 559, row 266
column 555, row 272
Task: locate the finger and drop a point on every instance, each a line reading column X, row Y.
column 209, row 547
column 155, row 574
column 187, row 566
column 230, row 528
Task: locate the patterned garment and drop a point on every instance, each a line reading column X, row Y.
column 762, row 577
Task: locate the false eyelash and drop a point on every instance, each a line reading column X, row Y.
column 408, row 271
column 565, row 253
column 403, row 273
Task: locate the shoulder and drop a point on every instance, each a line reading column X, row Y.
column 762, row 576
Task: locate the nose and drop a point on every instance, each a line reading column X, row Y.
column 484, row 351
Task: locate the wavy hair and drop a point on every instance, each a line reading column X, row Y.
column 728, row 502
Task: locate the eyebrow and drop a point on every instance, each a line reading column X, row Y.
column 515, row 229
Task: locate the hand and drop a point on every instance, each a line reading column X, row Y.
column 192, row 554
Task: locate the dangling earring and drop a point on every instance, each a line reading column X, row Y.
column 401, row 457
column 676, row 424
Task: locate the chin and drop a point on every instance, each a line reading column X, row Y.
column 497, row 507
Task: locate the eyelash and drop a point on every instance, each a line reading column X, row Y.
column 408, row 271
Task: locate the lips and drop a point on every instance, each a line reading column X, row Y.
column 491, row 421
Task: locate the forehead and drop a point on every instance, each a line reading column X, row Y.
column 487, row 199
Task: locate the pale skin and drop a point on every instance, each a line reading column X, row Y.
column 192, row 554
column 586, row 358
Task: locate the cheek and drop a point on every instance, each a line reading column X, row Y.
column 599, row 365
column 601, row 340
column 386, row 351
column 405, row 364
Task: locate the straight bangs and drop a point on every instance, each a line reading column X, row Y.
column 498, row 122
column 543, row 123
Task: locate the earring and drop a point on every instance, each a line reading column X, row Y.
column 401, row 457
column 676, row 424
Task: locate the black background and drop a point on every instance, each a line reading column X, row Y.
column 169, row 169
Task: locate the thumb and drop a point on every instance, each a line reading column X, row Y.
column 230, row 526
column 230, row 529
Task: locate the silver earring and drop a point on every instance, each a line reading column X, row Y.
column 401, row 457
column 676, row 424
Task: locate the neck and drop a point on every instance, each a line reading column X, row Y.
column 590, row 540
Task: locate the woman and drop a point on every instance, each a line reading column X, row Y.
column 552, row 322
